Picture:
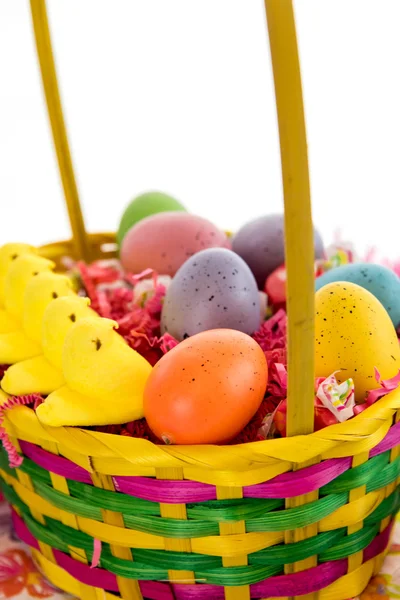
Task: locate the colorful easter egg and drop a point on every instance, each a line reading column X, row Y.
column 212, row 290
column 143, row 206
column 163, row 242
column 206, row 389
column 261, row 244
column 275, row 287
column 383, row 283
column 354, row 334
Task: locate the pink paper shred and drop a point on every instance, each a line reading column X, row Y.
column 15, row 459
column 96, row 553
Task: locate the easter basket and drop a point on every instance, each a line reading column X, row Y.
column 309, row 515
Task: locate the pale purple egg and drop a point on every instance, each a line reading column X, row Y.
column 261, row 245
column 214, row 289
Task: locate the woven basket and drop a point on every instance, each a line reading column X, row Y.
column 306, row 516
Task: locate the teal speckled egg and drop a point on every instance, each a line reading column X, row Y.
column 380, row 281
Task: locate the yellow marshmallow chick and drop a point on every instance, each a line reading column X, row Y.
column 43, row 374
column 19, row 273
column 25, row 342
column 8, row 253
column 105, row 378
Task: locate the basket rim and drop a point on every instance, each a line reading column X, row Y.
column 84, row 446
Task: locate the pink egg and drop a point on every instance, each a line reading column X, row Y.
column 164, row 241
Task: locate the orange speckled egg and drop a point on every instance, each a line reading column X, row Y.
column 206, row 389
column 164, row 241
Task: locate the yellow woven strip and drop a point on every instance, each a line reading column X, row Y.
column 353, row 513
column 50, row 85
column 241, row 592
column 60, row 484
column 352, row 584
column 102, row 245
column 356, row 560
column 236, row 545
column 175, row 511
column 63, row 580
column 394, row 453
column 300, row 534
column 245, row 464
column 129, row 588
column 25, row 481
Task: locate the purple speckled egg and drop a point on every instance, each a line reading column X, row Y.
column 214, row 289
column 164, row 241
column 261, row 245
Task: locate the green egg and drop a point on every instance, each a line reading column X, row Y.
column 143, row 206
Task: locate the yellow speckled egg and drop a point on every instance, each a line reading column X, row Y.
column 354, row 333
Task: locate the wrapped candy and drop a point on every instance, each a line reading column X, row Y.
column 338, row 398
column 333, row 403
column 336, row 256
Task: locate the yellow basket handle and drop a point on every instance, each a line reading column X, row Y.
column 299, row 235
column 299, row 243
column 54, row 108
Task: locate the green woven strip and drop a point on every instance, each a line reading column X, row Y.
column 67, row 503
column 290, row 553
column 390, row 506
column 300, row 516
column 388, row 475
column 173, row 528
column 351, row 544
column 216, row 510
column 11, row 496
column 357, row 476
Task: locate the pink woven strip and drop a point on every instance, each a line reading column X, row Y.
column 286, row 485
column 55, row 464
column 304, row 582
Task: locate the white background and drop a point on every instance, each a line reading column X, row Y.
column 177, row 95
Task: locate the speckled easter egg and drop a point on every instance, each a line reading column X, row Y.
column 163, row 242
column 206, row 389
column 354, row 334
column 143, row 206
column 213, row 289
column 261, row 244
column 383, row 283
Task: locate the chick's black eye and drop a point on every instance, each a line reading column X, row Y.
column 72, row 317
column 55, row 295
column 97, row 343
column 35, row 273
column 14, row 256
